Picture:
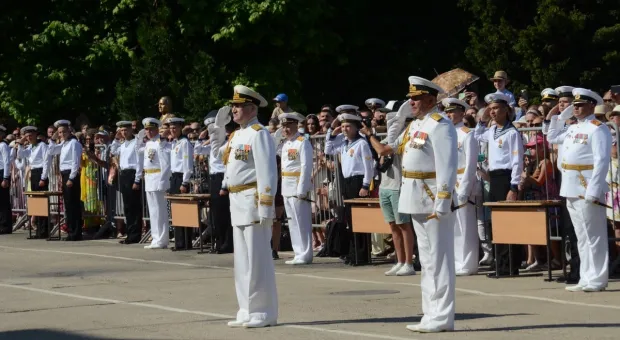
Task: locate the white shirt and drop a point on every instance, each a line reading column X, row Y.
column 37, row 157
column 355, row 156
column 70, row 155
column 427, row 146
column 5, row 159
column 127, row 156
column 216, row 166
column 182, row 158
column 505, row 149
column 586, row 143
column 296, row 165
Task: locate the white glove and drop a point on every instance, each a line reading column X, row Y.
column 404, row 111
column 266, row 222
column 441, row 214
column 141, row 135
column 223, row 116
column 277, row 136
column 567, row 113
column 591, row 199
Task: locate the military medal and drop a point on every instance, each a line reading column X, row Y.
column 292, row 154
column 499, row 143
column 351, row 152
column 151, row 154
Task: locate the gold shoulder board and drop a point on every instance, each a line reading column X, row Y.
column 257, row 127
column 300, row 138
column 596, row 122
column 465, row 129
column 436, row 116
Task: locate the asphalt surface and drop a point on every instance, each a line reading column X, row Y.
column 103, row 290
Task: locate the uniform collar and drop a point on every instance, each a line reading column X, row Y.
column 588, row 118
column 251, row 122
column 294, row 137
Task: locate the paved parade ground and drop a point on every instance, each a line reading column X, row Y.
column 102, row 290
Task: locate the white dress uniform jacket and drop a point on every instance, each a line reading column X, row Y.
column 251, row 178
column 128, row 157
column 296, row 190
column 156, row 165
column 586, row 153
column 182, row 158
column 429, row 156
column 465, row 228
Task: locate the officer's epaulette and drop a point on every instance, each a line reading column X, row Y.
column 300, row 138
column 257, row 127
column 465, row 129
column 436, row 116
column 596, row 122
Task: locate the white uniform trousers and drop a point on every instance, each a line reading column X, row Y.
column 436, row 246
column 299, row 213
column 255, row 278
column 591, row 230
column 466, row 240
column 158, row 215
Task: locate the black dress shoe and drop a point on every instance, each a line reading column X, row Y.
column 274, row 255
column 6, row 231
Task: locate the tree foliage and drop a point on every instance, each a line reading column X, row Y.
column 114, row 58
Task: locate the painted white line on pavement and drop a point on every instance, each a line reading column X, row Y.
column 201, row 313
column 469, row 291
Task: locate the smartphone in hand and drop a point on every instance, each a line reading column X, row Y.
column 615, row 89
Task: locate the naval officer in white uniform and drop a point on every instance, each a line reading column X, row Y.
column 586, row 152
column 429, row 150
column 251, row 180
column 156, row 168
column 466, row 243
column 296, row 155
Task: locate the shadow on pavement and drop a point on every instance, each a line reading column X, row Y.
column 406, row 319
column 531, row 327
column 44, row 334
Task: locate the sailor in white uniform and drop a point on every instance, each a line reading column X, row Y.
column 130, row 179
column 70, row 151
column 586, row 152
column 296, row 155
column 155, row 157
column 430, row 159
column 466, row 243
column 357, row 169
column 251, row 180
column 36, row 153
column 219, row 204
column 565, row 99
column 182, row 168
